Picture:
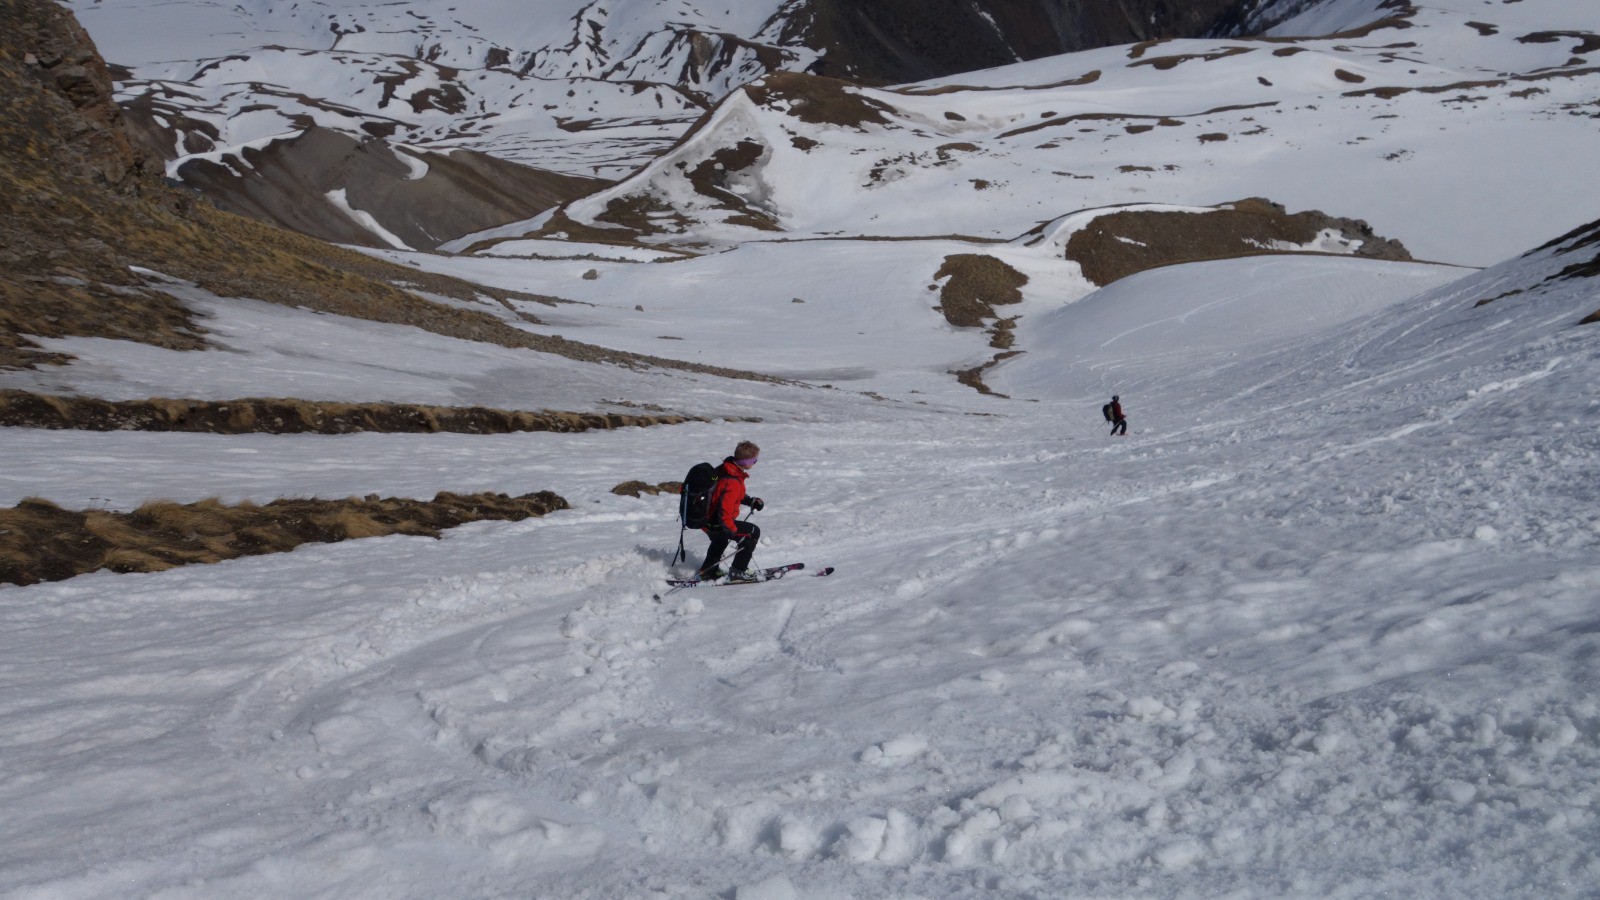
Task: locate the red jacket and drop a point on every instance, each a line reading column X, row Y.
column 727, row 495
column 1116, row 410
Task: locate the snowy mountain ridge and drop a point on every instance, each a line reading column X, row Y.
column 605, row 89
column 1191, row 122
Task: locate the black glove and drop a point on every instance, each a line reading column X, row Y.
column 754, row 503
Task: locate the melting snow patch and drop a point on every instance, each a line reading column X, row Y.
column 1327, row 240
column 775, row 888
column 895, row 752
column 365, row 219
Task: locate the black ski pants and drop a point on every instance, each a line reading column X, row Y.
column 745, row 534
column 1120, row 426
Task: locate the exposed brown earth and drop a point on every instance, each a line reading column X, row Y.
column 254, row 415
column 973, row 378
column 978, row 283
column 40, row 541
column 818, row 101
column 711, row 179
column 1059, row 121
column 1119, row 244
column 1172, row 62
column 1584, row 42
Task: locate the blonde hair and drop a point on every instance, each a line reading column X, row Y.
column 746, row 450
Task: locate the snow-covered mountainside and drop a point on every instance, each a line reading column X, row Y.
column 590, row 89
column 1322, row 624
column 1399, row 124
column 525, row 81
column 1371, row 121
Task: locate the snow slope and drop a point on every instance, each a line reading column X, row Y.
column 1322, row 625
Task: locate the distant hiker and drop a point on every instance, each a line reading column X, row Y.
column 723, row 523
column 1119, row 422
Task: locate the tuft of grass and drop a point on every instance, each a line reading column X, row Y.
column 40, row 541
column 290, row 416
column 127, row 560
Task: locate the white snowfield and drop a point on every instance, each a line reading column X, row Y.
column 1325, row 623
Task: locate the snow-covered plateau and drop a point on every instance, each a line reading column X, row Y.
column 1324, row 623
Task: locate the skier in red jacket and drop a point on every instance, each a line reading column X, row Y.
column 726, row 498
column 1119, row 422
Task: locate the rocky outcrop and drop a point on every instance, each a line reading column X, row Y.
column 70, row 100
column 896, row 41
column 64, row 161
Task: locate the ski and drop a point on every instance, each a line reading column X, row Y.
column 772, row 574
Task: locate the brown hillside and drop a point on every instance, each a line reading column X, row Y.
column 85, row 220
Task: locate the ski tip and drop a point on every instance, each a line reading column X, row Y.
column 827, row 571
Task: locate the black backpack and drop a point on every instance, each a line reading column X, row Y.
column 1107, row 411
column 694, row 505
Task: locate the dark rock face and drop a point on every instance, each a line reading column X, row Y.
column 70, row 96
column 895, row 41
column 65, row 160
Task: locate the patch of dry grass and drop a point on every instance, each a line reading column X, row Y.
column 1119, row 244
column 253, row 415
column 40, row 541
column 640, row 488
column 978, row 283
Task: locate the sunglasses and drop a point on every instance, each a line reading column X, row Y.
column 747, row 463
